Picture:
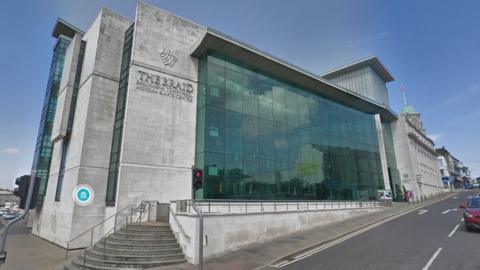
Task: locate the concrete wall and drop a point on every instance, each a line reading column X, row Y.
column 158, row 141
column 381, row 150
column 228, row 232
column 64, row 99
column 366, row 82
column 89, row 153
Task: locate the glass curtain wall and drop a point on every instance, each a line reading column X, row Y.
column 259, row 137
column 43, row 147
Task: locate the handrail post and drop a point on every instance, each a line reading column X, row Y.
column 200, row 231
column 200, row 228
column 91, row 238
column 66, row 251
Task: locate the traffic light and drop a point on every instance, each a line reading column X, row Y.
column 197, row 179
column 23, row 183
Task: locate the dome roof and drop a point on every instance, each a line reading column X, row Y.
column 409, row 110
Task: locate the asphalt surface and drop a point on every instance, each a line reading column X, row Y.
column 418, row 240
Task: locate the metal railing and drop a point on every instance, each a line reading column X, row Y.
column 122, row 218
column 246, row 207
column 177, row 223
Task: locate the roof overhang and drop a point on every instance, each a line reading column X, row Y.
column 220, row 43
column 64, row 28
column 371, row 61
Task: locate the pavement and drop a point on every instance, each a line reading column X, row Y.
column 377, row 250
column 28, row 252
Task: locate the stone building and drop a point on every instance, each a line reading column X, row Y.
column 138, row 102
column 416, row 156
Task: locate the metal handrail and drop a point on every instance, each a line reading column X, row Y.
column 263, row 205
column 98, row 224
column 143, row 207
column 179, row 225
column 92, row 243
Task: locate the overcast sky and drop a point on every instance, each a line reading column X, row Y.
column 432, row 47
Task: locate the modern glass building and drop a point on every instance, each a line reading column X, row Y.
column 43, row 148
column 262, row 137
column 143, row 100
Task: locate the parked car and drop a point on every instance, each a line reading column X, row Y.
column 471, row 215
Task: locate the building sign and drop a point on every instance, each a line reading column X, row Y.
column 83, row 195
column 168, row 57
column 164, row 86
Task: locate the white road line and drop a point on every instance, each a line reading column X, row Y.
column 423, row 211
column 330, row 244
column 462, row 219
column 453, row 231
column 455, row 197
column 454, row 210
column 429, row 263
column 446, row 211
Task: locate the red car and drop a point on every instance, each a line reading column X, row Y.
column 471, row 215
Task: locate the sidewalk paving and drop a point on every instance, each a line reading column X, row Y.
column 25, row 251
column 28, row 252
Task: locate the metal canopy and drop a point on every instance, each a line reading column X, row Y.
column 64, row 28
column 220, row 43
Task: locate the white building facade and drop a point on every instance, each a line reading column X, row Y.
column 416, row 156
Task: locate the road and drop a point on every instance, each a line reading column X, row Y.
column 432, row 238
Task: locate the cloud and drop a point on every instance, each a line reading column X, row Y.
column 367, row 39
column 11, row 151
column 435, row 137
column 471, row 117
column 460, row 96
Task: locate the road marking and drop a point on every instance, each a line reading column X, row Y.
column 423, row 211
column 453, row 231
column 286, row 260
column 462, row 219
column 429, row 263
column 455, row 197
column 446, row 211
column 454, row 210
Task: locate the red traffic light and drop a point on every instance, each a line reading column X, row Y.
column 197, row 181
column 197, row 173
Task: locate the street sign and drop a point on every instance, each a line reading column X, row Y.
column 83, row 195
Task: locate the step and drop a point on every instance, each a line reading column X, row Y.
column 156, row 235
column 134, row 251
column 145, row 229
column 163, row 239
column 136, row 245
column 134, row 258
column 78, row 265
column 125, row 264
column 143, row 232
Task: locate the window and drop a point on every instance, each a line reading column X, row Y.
column 259, row 137
column 119, row 115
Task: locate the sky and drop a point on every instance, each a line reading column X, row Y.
column 430, row 46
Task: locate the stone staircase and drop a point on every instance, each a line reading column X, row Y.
column 136, row 246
